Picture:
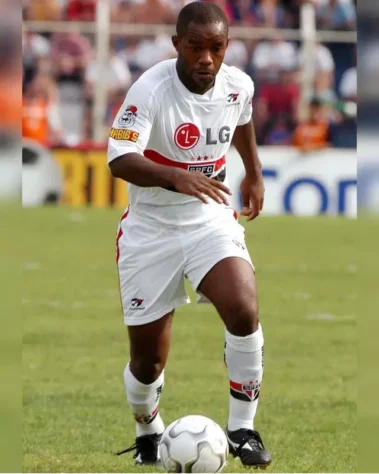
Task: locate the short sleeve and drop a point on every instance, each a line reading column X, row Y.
column 132, row 126
column 247, row 110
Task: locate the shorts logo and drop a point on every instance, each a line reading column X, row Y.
column 187, row 136
column 239, row 244
column 208, row 170
column 125, row 134
column 128, row 118
column 136, row 303
column 247, row 391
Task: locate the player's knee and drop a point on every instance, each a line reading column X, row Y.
column 244, row 320
column 145, row 370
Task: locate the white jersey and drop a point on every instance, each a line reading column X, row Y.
column 162, row 120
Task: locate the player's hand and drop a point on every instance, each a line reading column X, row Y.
column 194, row 183
column 252, row 191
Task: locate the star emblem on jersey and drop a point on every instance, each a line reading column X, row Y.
column 128, row 118
column 186, row 136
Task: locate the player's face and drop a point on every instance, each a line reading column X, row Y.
column 201, row 53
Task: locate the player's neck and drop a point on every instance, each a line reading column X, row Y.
column 190, row 84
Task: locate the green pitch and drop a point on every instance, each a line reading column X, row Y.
column 75, row 345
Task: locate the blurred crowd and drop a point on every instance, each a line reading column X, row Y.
column 60, row 69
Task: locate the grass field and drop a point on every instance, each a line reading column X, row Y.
column 75, row 345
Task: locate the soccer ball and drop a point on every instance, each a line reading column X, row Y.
column 194, row 444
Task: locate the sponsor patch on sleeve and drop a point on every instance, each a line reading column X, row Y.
column 124, row 134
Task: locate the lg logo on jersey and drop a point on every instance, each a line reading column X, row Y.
column 223, row 136
column 187, row 136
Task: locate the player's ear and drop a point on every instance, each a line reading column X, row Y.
column 175, row 42
column 227, row 41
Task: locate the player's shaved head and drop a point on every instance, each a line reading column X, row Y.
column 200, row 13
column 201, row 42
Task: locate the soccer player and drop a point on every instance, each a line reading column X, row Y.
column 169, row 142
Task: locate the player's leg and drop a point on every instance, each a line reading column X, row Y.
column 151, row 288
column 144, row 374
column 220, row 269
column 230, row 286
column 144, row 381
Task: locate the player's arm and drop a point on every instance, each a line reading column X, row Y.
column 252, row 189
column 136, row 169
column 245, row 142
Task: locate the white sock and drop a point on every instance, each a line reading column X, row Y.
column 244, row 360
column 144, row 402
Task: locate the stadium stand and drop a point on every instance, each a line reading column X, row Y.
column 65, row 61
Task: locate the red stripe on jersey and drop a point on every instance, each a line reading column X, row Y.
column 162, row 160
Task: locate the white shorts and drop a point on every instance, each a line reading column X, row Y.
column 154, row 261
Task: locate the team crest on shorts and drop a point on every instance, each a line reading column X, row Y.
column 128, row 118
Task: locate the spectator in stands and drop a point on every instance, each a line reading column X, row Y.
column 323, row 72
column 35, row 48
column 40, row 112
column 276, row 98
column 10, row 70
column 81, row 10
column 269, row 58
column 266, row 13
column 278, row 131
column 152, row 50
column 336, row 15
column 224, row 4
column 116, row 76
column 348, row 86
column 237, row 10
column 70, row 54
column 237, row 54
column 42, row 10
column 144, row 11
column 349, row 83
column 343, row 133
column 292, row 8
column 313, row 134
